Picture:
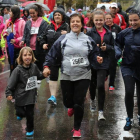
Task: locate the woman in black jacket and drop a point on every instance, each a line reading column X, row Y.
column 115, row 29
column 105, row 41
column 129, row 41
column 57, row 27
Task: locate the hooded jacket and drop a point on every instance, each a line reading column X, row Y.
column 18, row 30
column 128, row 41
column 17, row 84
column 2, row 25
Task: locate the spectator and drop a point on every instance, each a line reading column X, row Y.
column 103, row 8
column 118, row 19
column 70, row 12
column 124, row 14
column 6, row 14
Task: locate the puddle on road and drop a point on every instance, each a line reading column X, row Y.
column 126, row 135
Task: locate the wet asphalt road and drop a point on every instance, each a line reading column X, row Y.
column 52, row 123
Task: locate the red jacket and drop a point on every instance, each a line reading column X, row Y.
column 119, row 20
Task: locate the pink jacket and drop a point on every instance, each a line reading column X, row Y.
column 18, row 30
column 86, row 19
column 2, row 25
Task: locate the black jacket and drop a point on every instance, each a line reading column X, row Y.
column 17, row 84
column 109, row 42
column 27, row 36
column 50, row 35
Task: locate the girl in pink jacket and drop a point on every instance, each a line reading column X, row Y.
column 2, row 57
column 16, row 25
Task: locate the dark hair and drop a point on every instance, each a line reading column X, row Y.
column 38, row 9
column 90, row 22
column 7, row 8
column 133, row 11
column 81, row 18
column 27, row 10
column 16, row 13
column 61, row 11
column 103, row 7
column 108, row 13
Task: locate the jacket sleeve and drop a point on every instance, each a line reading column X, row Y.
column 123, row 25
column 110, row 47
column 54, row 54
column 12, row 83
column 39, row 73
column 25, row 32
column 94, row 52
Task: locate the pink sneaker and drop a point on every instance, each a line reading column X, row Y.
column 111, row 88
column 70, row 112
column 76, row 133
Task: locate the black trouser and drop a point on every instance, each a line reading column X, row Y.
column 129, row 83
column 98, row 81
column 54, row 73
column 28, row 112
column 74, row 93
column 1, row 52
column 16, row 54
column 40, row 59
column 112, row 69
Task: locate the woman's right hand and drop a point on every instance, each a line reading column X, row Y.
column 45, row 46
column 9, row 98
column 46, row 72
column 21, row 44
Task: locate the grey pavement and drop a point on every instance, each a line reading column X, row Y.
column 53, row 123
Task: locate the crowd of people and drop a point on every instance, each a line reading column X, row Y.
column 85, row 48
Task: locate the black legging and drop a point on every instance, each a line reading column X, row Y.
column 28, row 112
column 129, row 83
column 74, row 93
column 54, row 73
column 112, row 69
column 98, row 81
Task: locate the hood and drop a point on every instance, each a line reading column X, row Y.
column 119, row 6
column 61, row 11
column 1, row 18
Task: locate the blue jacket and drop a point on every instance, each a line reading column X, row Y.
column 109, row 42
column 129, row 41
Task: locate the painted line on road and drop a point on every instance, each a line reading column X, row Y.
column 4, row 72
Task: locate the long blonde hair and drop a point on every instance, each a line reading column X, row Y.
column 20, row 60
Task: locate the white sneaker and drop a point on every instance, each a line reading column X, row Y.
column 38, row 81
column 101, row 116
column 92, row 105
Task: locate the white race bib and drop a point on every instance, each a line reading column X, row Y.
column 31, row 83
column 34, row 30
column 76, row 61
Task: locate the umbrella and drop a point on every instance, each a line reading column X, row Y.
column 28, row 5
column 7, row 2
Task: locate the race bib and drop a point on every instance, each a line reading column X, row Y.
column 76, row 61
column 31, row 83
column 34, row 30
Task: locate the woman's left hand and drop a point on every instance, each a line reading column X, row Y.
column 99, row 59
column 12, row 41
column 103, row 48
column 63, row 32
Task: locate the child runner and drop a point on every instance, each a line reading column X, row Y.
column 22, row 85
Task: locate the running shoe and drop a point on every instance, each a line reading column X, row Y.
column 2, row 58
column 29, row 134
column 111, row 88
column 92, row 106
column 76, row 133
column 52, row 100
column 70, row 112
column 138, row 119
column 101, row 116
column 128, row 124
column 39, row 81
column 19, row 118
